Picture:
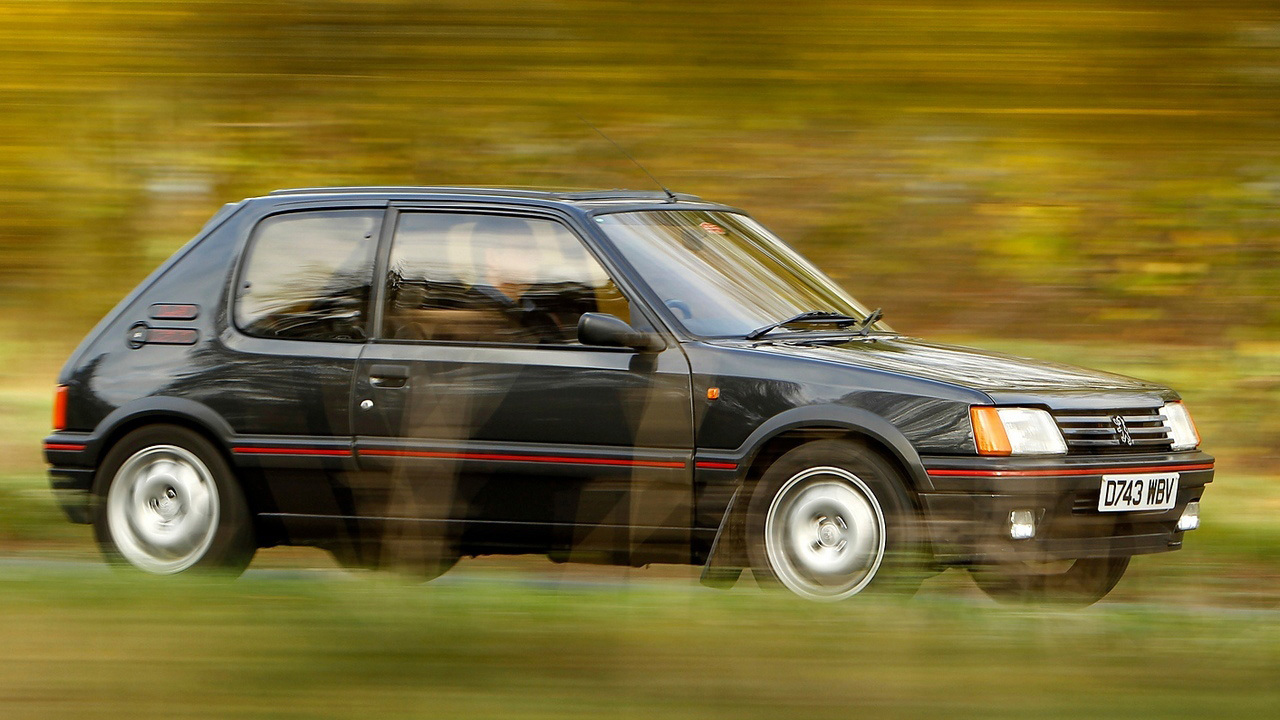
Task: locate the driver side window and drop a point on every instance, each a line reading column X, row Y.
column 468, row 277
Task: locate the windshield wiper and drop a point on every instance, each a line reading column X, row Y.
column 812, row 316
column 872, row 319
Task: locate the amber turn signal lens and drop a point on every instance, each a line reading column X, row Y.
column 60, row 408
column 988, row 432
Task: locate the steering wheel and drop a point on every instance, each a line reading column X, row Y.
column 680, row 307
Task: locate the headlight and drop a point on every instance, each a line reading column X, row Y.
column 1181, row 428
column 1015, row 431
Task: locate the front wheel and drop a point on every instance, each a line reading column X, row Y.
column 831, row 519
column 1077, row 583
column 166, row 502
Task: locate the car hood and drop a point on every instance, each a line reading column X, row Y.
column 1004, row 377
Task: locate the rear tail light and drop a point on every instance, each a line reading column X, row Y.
column 60, row 408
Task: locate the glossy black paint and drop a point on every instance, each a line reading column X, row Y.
column 604, row 454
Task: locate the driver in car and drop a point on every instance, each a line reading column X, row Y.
column 509, row 262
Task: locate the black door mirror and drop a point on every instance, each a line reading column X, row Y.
column 609, row 331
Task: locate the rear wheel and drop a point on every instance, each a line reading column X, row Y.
column 831, row 519
column 166, row 502
column 1079, row 582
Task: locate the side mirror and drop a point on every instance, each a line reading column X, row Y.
column 608, row 331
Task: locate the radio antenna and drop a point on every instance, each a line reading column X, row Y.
column 671, row 197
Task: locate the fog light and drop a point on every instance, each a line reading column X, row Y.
column 1190, row 519
column 1022, row 524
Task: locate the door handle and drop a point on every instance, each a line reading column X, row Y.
column 389, row 376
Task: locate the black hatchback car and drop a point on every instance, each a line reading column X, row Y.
column 405, row 376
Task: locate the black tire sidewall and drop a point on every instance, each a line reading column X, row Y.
column 899, row 570
column 233, row 542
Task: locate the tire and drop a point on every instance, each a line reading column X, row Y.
column 831, row 519
column 1084, row 582
column 165, row 502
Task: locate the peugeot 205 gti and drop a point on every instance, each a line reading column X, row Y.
column 406, row 376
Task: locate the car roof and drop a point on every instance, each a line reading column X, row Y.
column 585, row 199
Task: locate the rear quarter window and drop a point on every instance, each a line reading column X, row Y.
column 307, row 276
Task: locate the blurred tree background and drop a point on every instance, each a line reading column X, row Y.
column 1063, row 172
column 1041, row 169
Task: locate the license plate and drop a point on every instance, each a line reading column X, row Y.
column 1124, row 493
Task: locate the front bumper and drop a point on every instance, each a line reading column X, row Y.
column 969, row 506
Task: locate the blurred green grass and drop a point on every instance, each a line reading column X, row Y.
column 89, row 645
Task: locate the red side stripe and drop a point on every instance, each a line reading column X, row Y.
column 324, row 452
column 525, row 458
column 709, row 465
column 939, row 472
column 62, row 446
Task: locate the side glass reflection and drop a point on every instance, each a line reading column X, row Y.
column 308, row 276
column 490, row 278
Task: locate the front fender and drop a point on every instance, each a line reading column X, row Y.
column 831, row 416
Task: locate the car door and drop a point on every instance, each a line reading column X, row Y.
column 487, row 418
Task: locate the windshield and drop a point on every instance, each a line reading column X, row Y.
column 722, row 274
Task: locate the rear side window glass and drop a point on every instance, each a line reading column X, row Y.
column 308, row 276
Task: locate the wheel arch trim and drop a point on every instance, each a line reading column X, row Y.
column 842, row 418
column 155, row 410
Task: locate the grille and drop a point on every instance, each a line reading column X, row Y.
column 1114, row 431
